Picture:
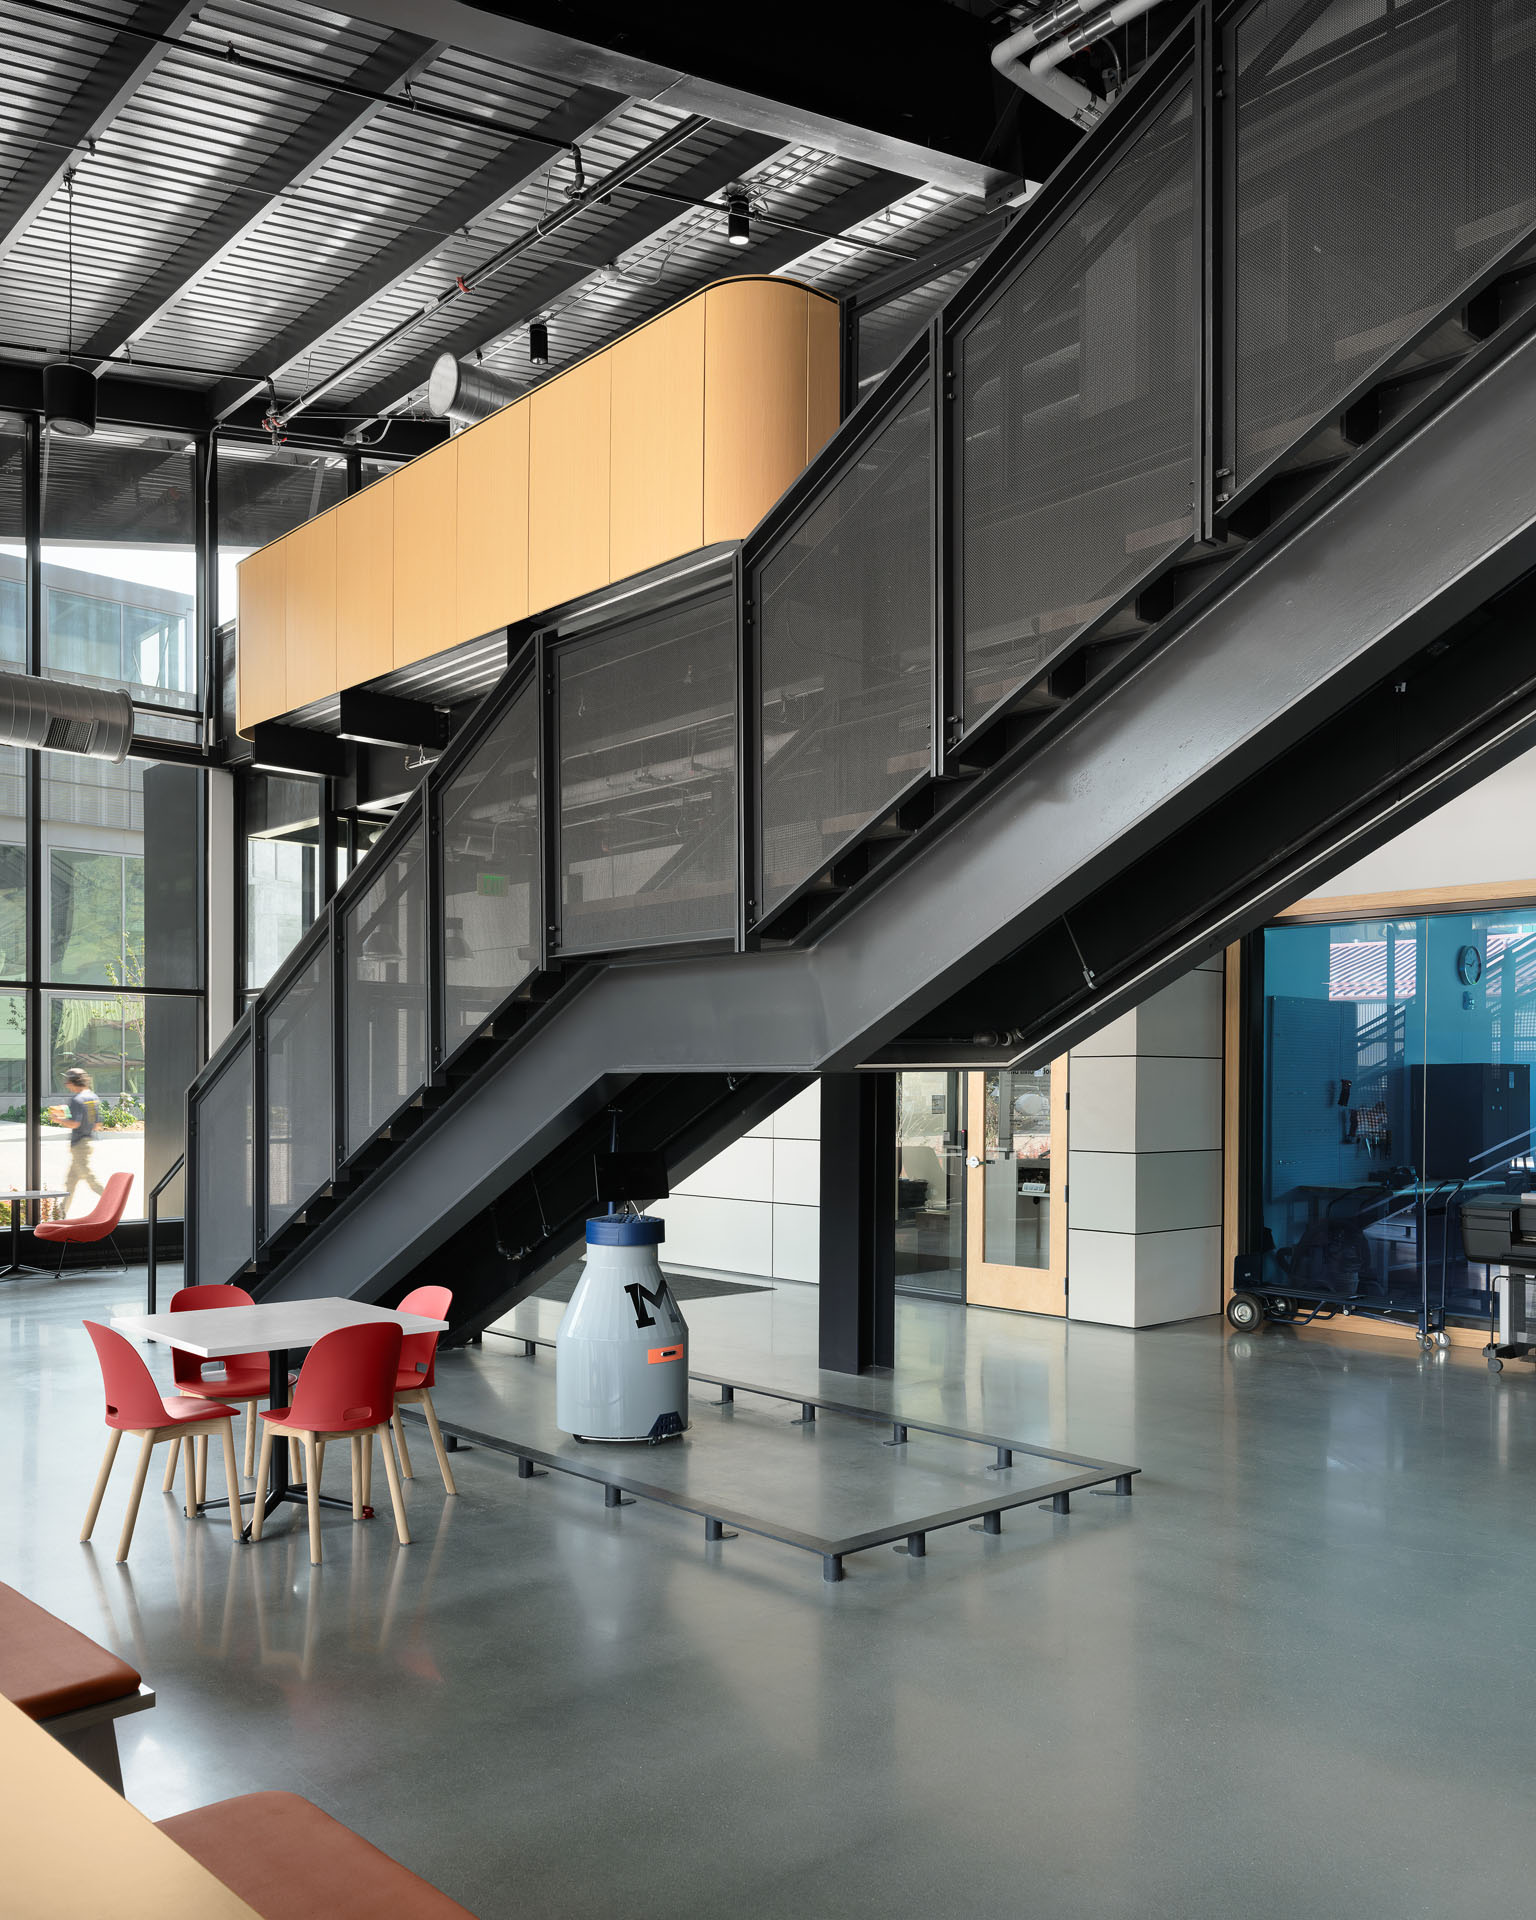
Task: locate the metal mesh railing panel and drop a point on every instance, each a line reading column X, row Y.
column 1386, row 157
column 491, row 899
column 224, row 1168
column 884, row 331
column 385, row 947
column 845, row 629
column 300, row 1125
column 1078, row 417
column 647, row 729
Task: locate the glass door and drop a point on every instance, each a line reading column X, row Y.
column 1016, row 1243
column 930, row 1183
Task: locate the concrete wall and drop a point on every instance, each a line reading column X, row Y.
column 754, row 1208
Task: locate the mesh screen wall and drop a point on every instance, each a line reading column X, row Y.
column 225, row 1215
column 846, row 642
column 647, row 716
column 299, row 1121
column 1078, row 417
column 1386, row 155
column 385, row 948
column 885, row 330
column 490, row 815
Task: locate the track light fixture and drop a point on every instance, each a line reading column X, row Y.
column 538, row 344
column 69, row 392
column 738, row 220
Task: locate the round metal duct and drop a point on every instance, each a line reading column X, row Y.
column 69, row 400
column 466, row 394
column 50, row 713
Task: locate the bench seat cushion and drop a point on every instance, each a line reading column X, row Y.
column 48, row 1668
column 290, row 1861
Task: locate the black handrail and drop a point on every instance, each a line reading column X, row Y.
column 152, row 1261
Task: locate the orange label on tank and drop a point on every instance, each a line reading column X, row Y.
column 663, row 1353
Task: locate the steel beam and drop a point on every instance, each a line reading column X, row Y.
column 385, row 720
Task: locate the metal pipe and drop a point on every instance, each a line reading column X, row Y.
column 1082, row 36
column 1058, row 35
column 95, row 721
column 618, row 177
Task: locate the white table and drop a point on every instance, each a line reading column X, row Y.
column 15, row 1196
column 278, row 1328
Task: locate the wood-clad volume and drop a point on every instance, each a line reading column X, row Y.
column 569, row 450
column 754, row 425
column 365, row 584
column 263, row 656
column 657, row 435
column 679, row 435
column 310, row 597
column 426, row 554
column 493, row 524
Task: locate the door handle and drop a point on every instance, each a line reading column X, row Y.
column 971, row 1160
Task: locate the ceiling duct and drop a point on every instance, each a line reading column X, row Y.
column 465, row 394
column 97, row 721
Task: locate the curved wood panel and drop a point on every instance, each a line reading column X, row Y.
column 569, row 455
column 679, row 435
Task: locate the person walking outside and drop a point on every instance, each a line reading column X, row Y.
column 83, row 1116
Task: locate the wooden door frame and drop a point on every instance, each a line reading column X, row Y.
column 989, row 1283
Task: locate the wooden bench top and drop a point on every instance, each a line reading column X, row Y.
column 75, row 1850
column 290, row 1861
column 48, row 1668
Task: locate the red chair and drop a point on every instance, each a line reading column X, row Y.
column 418, row 1375
column 99, row 1224
column 345, row 1391
column 136, row 1405
column 246, row 1379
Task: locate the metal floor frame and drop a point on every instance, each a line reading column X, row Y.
column 909, row 1536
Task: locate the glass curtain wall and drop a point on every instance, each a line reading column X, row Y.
column 930, row 1184
column 263, row 493
column 100, row 865
column 1396, row 1089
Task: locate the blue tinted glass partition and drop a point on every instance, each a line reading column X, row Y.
column 1396, row 1088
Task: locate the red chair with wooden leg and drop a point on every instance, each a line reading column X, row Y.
column 99, row 1224
column 245, row 1380
column 418, row 1375
column 136, row 1405
column 345, row 1391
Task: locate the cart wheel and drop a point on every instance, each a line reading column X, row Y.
column 1245, row 1311
column 1281, row 1309
column 1442, row 1339
column 1490, row 1350
column 1495, row 1364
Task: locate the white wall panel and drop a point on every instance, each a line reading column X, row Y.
column 732, row 1236
column 797, row 1243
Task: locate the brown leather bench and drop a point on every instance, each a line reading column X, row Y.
column 289, row 1861
column 65, row 1682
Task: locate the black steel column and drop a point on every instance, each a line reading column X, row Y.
column 858, row 1221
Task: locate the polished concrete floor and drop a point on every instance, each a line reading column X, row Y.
column 1288, row 1679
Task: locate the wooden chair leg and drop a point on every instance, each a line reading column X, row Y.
column 396, row 1491
column 232, row 1478
column 263, row 1474
column 357, row 1476
column 174, row 1454
column 114, row 1437
column 367, row 1445
column 140, row 1475
column 405, row 1452
column 312, row 1483
column 202, row 1472
column 295, row 1465
column 437, row 1441
column 250, row 1438
column 319, row 1463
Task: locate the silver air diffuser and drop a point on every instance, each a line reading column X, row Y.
column 64, row 719
column 466, row 394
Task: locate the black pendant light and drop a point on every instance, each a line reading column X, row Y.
column 69, row 392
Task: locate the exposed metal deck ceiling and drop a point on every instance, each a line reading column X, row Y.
column 261, row 190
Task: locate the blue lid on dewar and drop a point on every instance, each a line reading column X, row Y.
column 625, row 1230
